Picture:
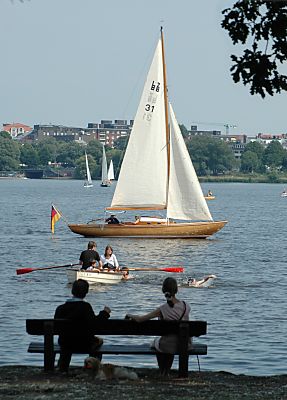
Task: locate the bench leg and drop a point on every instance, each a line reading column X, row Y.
column 183, row 366
column 183, row 350
column 49, row 353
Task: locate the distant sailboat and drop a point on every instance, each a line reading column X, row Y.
column 105, row 178
column 88, row 182
column 111, row 175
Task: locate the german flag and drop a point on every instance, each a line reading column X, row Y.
column 55, row 216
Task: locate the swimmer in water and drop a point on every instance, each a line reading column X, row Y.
column 204, row 282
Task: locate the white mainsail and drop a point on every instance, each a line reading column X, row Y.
column 185, row 198
column 89, row 178
column 111, row 175
column 104, row 167
column 142, row 182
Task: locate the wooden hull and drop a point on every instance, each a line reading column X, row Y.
column 209, row 197
column 94, row 277
column 174, row 230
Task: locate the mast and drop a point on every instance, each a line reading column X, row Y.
column 165, row 109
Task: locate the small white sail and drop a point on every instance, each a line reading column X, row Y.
column 111, row 175
column 88, row 182
column 105, row 180
column 185, row 198
column 142, row 181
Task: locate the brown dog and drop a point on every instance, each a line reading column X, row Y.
column 108, row 371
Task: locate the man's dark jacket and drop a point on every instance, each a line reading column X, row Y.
column 82, row 313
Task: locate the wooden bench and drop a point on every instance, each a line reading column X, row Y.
column 185, row 329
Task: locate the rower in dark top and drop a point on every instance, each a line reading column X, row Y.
column 112, row 220
column 90, row 254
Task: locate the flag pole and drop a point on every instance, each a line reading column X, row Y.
column 62, row 215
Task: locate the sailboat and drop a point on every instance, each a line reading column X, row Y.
column 88, row 183
column 105, row 179
column 111, row 175
column 157, row 173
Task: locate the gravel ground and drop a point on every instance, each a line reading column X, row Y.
column 25, row 383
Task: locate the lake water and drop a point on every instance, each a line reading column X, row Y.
column 245, row 310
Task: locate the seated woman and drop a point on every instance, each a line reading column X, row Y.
column 109, row 260
column 173, row 309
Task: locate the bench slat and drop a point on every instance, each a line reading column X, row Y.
column 197, row 349
column 117, row 327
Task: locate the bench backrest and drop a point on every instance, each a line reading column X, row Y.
column 117, row 327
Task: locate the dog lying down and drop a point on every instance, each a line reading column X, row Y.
column 108, row 371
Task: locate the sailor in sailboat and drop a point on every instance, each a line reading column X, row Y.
column 204, row 282
column 112, row 220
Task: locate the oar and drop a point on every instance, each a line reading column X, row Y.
column 169, row 269
column 22, row 271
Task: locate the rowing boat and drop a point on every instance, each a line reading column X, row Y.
column 94, row 276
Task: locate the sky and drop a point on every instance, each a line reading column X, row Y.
column 71, row 62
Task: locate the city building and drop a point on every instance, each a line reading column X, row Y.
column 266, row 138
column 237, row 143
column 107, row 132
column 16, row 129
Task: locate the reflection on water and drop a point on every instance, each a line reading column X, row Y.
column 246, row 325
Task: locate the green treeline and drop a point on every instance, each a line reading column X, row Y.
column 210, row 156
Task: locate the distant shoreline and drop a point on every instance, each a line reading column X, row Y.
column 202, row 179
column 242, row 179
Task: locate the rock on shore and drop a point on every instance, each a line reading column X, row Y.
column 25, row 383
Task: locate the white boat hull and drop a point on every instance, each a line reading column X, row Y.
column 94, row 277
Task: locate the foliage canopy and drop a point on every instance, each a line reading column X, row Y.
column 261, row 26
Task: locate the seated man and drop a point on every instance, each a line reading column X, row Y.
column 80, row 311
column 112, row 220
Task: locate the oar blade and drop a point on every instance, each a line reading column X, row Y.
column 173, row 269
column 24, row 271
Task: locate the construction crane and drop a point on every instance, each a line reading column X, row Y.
column 225, row 125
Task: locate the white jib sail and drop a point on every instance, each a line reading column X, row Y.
column 111, row 175
column 185, row 198
column 104, row 166
column 143, row 177
column 89, row 178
